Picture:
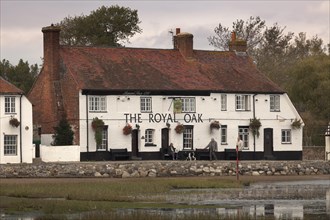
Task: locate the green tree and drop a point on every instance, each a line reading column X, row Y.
column 22, row 75
column 310, row 92
column 106, row 26
column 250, row 30
column 297, row 64
column 63, row 133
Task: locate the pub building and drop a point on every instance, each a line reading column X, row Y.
column 141, row 100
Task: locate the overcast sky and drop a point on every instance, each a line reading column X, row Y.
column 21, row 21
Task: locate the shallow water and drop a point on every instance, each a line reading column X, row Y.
column 278, row 200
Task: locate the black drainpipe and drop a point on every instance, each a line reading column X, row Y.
column 254, row 136
column 87, row 123
column 20, row 130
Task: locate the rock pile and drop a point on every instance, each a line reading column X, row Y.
column 127, row 169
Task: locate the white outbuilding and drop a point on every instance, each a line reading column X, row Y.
column 15, row 125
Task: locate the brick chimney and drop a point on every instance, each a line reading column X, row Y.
column 51, row 50
column 237, row 45
column 184, row 43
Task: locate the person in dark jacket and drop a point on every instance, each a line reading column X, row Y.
column 171, row 151
column 213, row 147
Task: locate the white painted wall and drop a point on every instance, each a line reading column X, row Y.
column 25, row 128
column 208, row 106
column 46, row 139
column 60, row 153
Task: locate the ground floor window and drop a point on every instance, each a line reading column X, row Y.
column 188, row 136
column 149, row 136
column 243, row 133
column 286, row 136
column 10, row 145
column 104, row 143
column 223, row 134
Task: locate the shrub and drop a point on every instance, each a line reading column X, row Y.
column 63, row 133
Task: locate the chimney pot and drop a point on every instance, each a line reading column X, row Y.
column 237, row 45
column 233, row 36
column 177, row 31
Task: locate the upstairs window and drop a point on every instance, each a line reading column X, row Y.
column 243, row 102
column 10, row 104
column 97, row 104
column 145, row 103
column 223, row 102
column 274, row 103
column 188, row 105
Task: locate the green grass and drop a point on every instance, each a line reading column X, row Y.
column 119, row 190
column 78, row 195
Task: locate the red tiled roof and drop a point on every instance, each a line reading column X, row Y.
column 8, row 88
column 163, row 70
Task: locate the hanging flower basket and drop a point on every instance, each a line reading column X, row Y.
column 296, row 124
column 14, row 122
column 254, row 126
column 127, row 129
column 215, row 125
column 97, row 125
column 179, row 128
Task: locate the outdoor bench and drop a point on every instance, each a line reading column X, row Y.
column 119, row 154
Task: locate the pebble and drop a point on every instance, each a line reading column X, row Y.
column 138, row 169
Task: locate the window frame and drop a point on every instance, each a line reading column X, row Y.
column 275, row 103
column 149, row 136
column 223, row 102
column 188, row 137
column 144, row 107
column 105, row 140
column 10, row 105
column 97, row 103
column 243, row 102
column 223, row 134
column 188, row 104
column 10, row 147
column 244, row 134
column 286, row 136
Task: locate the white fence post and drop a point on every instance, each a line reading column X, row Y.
column 327, row 143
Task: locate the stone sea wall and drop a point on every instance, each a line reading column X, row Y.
column 126, row 169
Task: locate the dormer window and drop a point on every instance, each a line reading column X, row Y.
column 97, row 104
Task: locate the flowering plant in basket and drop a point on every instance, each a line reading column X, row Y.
column 179, row 128
column 127, row 129
column 14, row 122
column 215, row 125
